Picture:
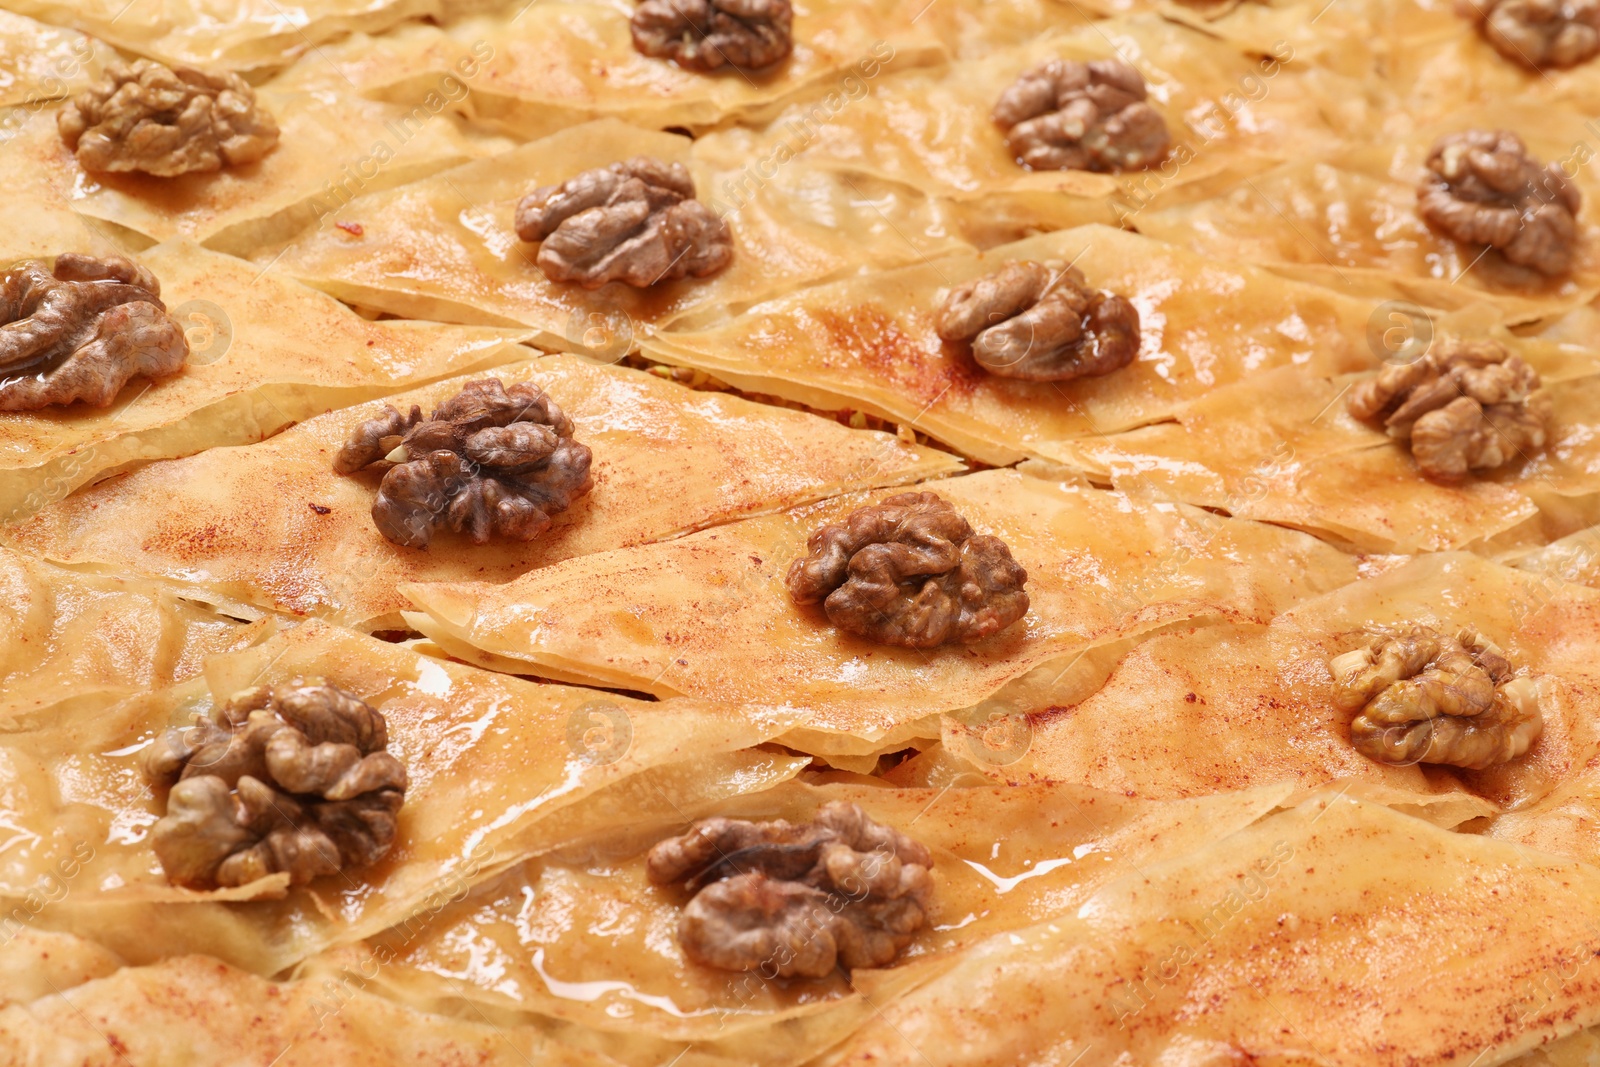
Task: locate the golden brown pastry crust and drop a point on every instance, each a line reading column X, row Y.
column 1123, row 812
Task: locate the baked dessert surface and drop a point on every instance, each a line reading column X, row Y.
column 748, row 532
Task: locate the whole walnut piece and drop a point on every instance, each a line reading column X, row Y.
column 80, row 330
column 1483, row 188
column 1071, row 115
column 1042, row 323
column 791, row 899
column 490, row 461
column 1467, row 406
column 166, row 121
column 1538, row 34
column 705, row 35
column 910, row 572
column 635, row 222
column 291, row 778
column 1425, row 697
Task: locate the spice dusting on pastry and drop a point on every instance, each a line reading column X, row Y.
column 166, row 121
column 1425, row 697
column 1467, row 406
column 1041, row 322
column 791, row 899
column 705, row 35
column 292, row 778
column 1483, row 188
column 910, row 572
column 489, row 462
column 80, row 330
column 1070, row 115
column 1539, row 34
column 635, row 222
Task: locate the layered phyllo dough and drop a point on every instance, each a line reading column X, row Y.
column 515, row 947
column 1266, row 943
column 264, row 352
column 454, row 729
column 331, row 148
column 1283, row 448
column 708, row 614
column 447, row 247
column 1351, row 221
column 40, row 63
column 232, row 34
column 1217, row 707
column 75, row 641
column 542, row 68
column 872, row 343
column 799, row 533
column 274, row 527
column 1230, row 113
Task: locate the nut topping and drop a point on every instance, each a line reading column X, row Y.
column 81, row 330
column 1070, row 115
column 166, row 121
column 489, row 461
column 1423, row 697
column 796, row 899
column 635, row 222
column 704, row 35
column 292, row 779
column 1539, row 34
column 1042, row 323
column 910, row 572
column 1483, row 188
column 1467, row 407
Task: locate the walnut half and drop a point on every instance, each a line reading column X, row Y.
column 1042, row 323
column 705, row 35
column 293, row 778
column 1538, row 34
column 1467, row 406
column 80, row 330
column 489, row 461
column 1071, row 115
column 796, row 899
column 910, row 572
column 1483, row 188
column 1424, row 697
column 166, row 121
column 635, row 222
